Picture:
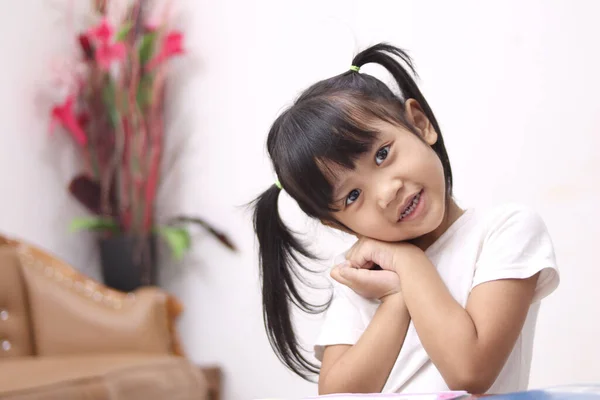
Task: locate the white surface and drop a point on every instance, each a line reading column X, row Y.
column 514, row 85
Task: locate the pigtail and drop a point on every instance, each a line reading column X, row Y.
column 383, row 54
column 279, row 253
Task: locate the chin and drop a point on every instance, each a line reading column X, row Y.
column 394, row 237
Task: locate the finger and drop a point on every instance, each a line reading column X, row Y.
column 335, row 274
column 350, row 252
column 360, row 258
column 371, row 253
column 355, row 247
column 366, row 265
column 367, row 283
column 343, row 264
column 356, row 276
column 339, row 274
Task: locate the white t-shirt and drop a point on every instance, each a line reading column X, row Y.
column 506, row 242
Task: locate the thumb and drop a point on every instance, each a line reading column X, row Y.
column 348, row 273
column 343, row 274
column 363, row 278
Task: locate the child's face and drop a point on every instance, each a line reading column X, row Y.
column 397, row 192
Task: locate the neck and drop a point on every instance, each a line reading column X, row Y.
column 451, row 214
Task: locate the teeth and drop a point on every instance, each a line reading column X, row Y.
column 412, row 206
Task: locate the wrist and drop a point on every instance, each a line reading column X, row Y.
column 399, row 259
column 394, row 299
column 405, row 255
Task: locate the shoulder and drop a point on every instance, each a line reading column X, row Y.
column 515, row 245
column 502, row 213
column 512, row 217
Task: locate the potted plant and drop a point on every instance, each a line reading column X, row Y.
column 114, row 112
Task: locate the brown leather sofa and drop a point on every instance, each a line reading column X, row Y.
column 66, row 337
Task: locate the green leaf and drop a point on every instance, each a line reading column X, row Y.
column 144, row 92
column 124, row 31
column 147, row 47
column 93, row 224
column 178, row 239
column 109, row 97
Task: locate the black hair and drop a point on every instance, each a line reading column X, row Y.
column 328, row 127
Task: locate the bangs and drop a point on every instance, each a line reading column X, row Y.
column 329, row 136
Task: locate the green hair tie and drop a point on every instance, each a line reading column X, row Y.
column 278, row 184
column 354, row 68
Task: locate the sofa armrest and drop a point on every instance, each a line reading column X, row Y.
column 214, row 382
column 16, row 339
column 72, row 314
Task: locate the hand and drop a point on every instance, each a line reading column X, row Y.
column 389, row 256
column 369, row 284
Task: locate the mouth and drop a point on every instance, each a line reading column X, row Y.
column 410, row 206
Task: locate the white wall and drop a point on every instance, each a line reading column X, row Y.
column 513, row 85
column 35, row 168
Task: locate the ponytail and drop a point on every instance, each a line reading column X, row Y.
column 279, row 250
column 382, row 54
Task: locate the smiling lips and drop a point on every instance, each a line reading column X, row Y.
column 410, row 206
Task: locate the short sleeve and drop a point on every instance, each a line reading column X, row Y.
column 346, row 319
column 517, row 246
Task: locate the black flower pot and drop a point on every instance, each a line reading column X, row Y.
column 128, row 262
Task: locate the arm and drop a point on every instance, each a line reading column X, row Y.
column 469, row 346
column 365, row 367
column 105, row 320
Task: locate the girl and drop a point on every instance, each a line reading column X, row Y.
column 431, row 297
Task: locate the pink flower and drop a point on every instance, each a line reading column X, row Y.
column 103, row 32
column 107, row 53
column 86, row 46
column 171, row 46
column 63, row 114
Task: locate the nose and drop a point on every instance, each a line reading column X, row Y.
column 387, row 192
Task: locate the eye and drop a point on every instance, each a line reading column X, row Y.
column 382, row 154
column 352, row 197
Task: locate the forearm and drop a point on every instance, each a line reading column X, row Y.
column 445, row 328
column 365, row 367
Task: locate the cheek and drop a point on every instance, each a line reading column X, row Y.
column 366, row 223
column 438, row 191
column 433, row 169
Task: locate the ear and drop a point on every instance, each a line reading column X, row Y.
column 418, row 119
